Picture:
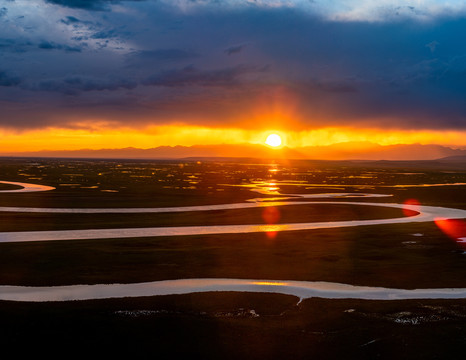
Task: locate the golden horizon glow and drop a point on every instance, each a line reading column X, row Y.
column 274, row 140
column 104, row 136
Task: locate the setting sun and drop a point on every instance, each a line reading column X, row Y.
column 273, row 140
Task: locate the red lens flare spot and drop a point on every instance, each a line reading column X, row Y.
column 411, row 207
column 271, row 215
column 452, row 227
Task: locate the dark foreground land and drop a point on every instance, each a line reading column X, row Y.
column 232, row 325
column 235, row 326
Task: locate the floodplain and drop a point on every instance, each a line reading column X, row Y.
column 235, row 324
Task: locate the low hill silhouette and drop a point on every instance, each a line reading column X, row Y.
column 339, row 151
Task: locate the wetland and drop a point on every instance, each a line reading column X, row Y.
column 425, row 255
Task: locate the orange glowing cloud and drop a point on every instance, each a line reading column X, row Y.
column 95, row 135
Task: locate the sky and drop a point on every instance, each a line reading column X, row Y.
column 145, row 73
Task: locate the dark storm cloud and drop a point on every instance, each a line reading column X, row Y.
column 70, row 20
column 105, row 34
column 46, row 45
column 159, row 57
column 191, row 76
column 163, row 55
column 74, row 85
column 8, row 79
column 171, row 59
column 14, row 45
column 87, row 4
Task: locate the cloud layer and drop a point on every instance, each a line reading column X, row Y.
column 384, row 64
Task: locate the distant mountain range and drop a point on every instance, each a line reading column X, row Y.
column 340, row 151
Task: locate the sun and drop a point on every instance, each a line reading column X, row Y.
column 273, row 140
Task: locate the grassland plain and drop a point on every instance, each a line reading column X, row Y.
column 231, row 325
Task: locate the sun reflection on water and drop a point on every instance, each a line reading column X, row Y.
column 270, row 283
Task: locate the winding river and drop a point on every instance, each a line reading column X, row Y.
column 301, row 289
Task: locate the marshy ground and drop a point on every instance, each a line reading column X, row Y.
column 232, row 325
